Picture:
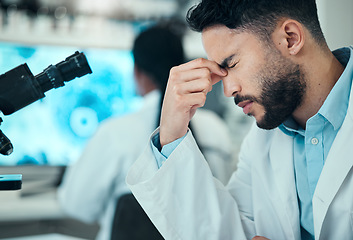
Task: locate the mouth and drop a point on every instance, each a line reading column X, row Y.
column 246, row 106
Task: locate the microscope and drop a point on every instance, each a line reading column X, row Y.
column 19, row 88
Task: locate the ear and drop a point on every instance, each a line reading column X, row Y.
column 289, row 37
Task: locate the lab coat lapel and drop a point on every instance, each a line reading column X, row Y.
column 281, row 157
column 338, row 164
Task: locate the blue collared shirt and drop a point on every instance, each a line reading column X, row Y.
column 312, row 145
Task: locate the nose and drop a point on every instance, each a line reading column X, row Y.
column 230, row 86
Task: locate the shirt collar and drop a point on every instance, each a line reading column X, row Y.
column 291, row 127
column 335, row 106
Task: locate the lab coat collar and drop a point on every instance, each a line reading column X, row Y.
column 283, row 169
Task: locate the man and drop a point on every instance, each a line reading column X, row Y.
column 294, row 178
column 96, row 182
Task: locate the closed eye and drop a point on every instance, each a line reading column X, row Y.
column 232, row 65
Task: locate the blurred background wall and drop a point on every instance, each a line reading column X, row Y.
column 336, row 21
column 112, row 23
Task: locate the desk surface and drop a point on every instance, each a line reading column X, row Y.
column 15, row 207
column 33, row 213
column 53, row 236
column 36, row 199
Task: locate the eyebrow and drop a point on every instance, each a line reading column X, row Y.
column 226, row 61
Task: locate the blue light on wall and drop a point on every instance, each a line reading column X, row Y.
column 54, row 130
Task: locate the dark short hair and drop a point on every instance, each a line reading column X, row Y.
column 257, row 16
column 156, row 50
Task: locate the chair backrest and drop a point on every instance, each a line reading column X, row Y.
column 131, row 222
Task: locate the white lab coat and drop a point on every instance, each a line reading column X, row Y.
column 92, row 186
column 185, row 202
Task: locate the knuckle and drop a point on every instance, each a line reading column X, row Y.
column 200, row 61
column 174, row 76
column 173, row 73
column 203, row 98
column 207, row 83
column 173, row 70
column 210, row 88
column 204, row 85
column 176, row 88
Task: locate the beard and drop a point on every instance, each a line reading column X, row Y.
column 283, row 86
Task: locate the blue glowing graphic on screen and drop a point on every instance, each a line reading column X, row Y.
column 54, row 130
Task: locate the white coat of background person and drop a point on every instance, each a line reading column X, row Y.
column 92, row 186
column 295, row 173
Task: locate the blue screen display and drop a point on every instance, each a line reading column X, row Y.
column 54, row 130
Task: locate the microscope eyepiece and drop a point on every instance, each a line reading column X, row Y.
column 54, row 76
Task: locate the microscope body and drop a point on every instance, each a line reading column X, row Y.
column 19, row 88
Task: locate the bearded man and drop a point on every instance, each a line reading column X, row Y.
column 295, row 177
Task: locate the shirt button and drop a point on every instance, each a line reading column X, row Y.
column 314, row 141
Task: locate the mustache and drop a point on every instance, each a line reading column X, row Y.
column 238, row 99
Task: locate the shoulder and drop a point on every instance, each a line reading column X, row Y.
column 132, row 125
column 138, row 119
column 112, row 124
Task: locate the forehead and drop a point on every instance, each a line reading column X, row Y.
column 220, row 42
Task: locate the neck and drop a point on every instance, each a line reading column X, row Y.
column 322, row 70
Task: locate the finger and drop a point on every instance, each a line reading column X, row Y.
column 216, row 78
column 183, row 104
column 193, row 74
column 190, row 74
column 202, row 63
column 195, row 100
column 199, row 85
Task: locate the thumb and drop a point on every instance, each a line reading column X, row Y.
column 215, row 78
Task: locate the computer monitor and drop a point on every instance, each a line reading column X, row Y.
column 54, row 130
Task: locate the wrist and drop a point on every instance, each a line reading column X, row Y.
column 166, row 137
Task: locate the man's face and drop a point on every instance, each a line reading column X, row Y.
column 265, row 84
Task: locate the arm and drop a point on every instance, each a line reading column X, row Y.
column 182, row 198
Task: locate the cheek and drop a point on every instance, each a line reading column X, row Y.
column 249, row 80
column 250, row 69
column 253, row 63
